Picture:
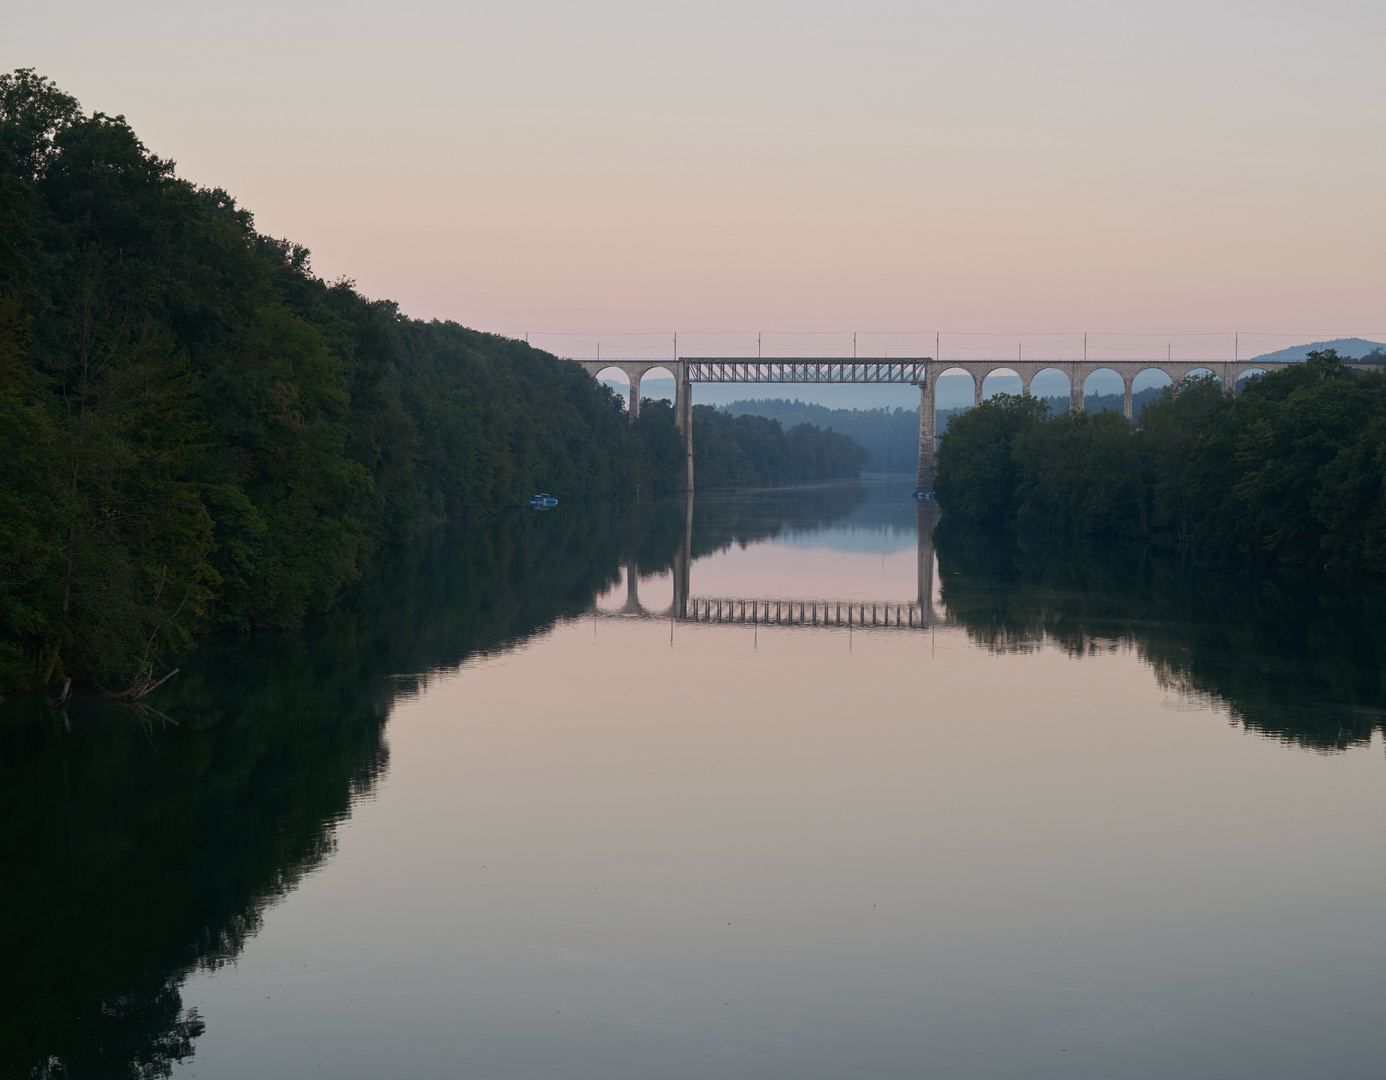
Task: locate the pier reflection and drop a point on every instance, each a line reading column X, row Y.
column 1295, row 655
column 814, row 605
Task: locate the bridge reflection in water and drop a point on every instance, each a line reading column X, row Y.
column 808, row 610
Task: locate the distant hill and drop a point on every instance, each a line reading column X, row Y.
column 892, row 435
column 1354, row 347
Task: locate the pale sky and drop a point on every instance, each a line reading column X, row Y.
column 1007, row 174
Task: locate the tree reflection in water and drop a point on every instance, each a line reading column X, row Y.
column 1297, row 655
column 136, row 852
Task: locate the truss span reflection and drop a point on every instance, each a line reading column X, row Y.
column 883, row 614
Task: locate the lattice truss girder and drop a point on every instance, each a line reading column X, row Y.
column 801, row 371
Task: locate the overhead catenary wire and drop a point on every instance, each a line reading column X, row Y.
column 1320, row 334
column 1123, row 344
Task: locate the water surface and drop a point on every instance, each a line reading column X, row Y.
column 552, row 798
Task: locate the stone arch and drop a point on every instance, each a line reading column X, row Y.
column 1101, row 381
column 953, row 399
column 622, row 592
column 650, row 593
column 1107, row 381
column 1044, row 382
column 1004, row 380
column 612, row 373
column 659, row 371
column 1244, row 373
column 1153, row 377
column 626, row 375
column 1197, row 370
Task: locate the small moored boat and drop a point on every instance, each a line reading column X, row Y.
column 542, row 502
column 924, row 495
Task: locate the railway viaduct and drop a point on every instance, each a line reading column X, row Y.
column 923, row 373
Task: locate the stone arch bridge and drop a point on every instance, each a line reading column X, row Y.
column 923, row 373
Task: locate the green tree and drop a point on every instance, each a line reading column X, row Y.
column 1294, row 468
column 32, row 111
column 30, row 492
column 978, row 475
column 1283, row 432
column 233, row 437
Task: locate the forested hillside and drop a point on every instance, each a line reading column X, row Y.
column 1293, row 468
column 198, row 433
column 742, row 450
column 892, row 435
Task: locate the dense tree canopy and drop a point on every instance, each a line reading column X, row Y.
column 199, row 433
column 1293, row 468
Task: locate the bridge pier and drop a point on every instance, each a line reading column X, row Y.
column 926, row 518
column 632, row 588
column 683, row 561
column 1126, row 407
column 633, row 410
column 925, row 480
column 683, row 417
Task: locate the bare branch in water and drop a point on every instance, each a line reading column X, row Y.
column 142, row 687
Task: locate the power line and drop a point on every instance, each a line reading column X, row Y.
column 1010, row 334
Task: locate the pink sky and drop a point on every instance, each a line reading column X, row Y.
column 1008, row 169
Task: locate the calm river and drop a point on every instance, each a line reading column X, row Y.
column 1075, row 812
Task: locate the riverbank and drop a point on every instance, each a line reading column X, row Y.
column 198, row 433
column 1291, row 470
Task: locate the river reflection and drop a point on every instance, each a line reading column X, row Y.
column 784, row 783
column 1295, row 655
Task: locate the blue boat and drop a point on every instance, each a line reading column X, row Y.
column 542, row 502
column 924, row 496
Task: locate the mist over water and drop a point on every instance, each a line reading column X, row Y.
column 510, row 811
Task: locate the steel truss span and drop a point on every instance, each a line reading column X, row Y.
column 754, row 370
column 894, row 615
